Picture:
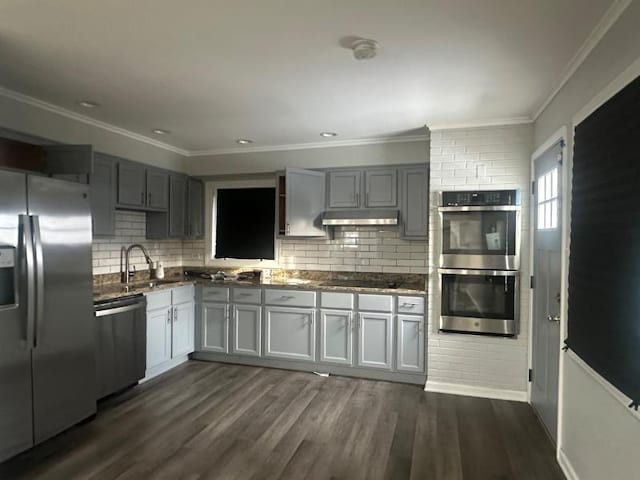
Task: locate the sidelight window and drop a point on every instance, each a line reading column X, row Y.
column 548, row 200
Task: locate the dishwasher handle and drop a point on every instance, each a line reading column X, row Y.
column 113, row 311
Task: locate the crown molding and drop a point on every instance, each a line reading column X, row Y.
column 309, row 146
column 34, row 102
column 496, row 122
column 593, row 39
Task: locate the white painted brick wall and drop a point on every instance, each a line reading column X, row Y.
column 468, row 159
column 131, row 228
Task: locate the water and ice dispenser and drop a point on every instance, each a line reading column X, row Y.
column 7, row 276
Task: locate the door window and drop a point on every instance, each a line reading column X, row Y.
column 547, row 200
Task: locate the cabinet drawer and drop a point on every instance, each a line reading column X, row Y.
column 247, row 295
column 183, row 294
column 215, row 294
column 375, row 303
column 336, row 300
column 161, row 299
column 294, row 298
column 411, row 305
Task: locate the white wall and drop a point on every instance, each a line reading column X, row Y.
column 468, row 159
column 31, row 120
column 257, row 162
column 597, row 432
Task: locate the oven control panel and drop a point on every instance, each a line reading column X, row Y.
column 480, row 198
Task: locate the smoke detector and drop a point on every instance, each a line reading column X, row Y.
column 364, row 49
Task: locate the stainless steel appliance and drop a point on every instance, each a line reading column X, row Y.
column 479, row 301
column 47, row 359
column 480, row 229
column 121, row 343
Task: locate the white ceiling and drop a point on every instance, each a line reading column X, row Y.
column 274, row 71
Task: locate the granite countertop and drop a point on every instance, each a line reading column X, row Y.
column 117, row 290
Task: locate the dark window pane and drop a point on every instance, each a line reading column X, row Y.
column 245, row 222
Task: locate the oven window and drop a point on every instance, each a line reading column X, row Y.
column 478, row 296
column 479, row 233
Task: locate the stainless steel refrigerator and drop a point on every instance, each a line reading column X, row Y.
column 47, row 359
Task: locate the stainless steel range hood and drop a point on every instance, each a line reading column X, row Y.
column 360, row 217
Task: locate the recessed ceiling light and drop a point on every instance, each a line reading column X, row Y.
column 244, row 141
column 88, row 103
column 365, row 49
column 328, row 134
column 160, row 131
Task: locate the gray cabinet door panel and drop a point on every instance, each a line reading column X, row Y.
column 157, row 183
column 410, row 343
column 290, row 333
column 131, row 184
column 336, row 336
column 158, row 336
column 374, row 340
column 344, row 188
column 177, row 206
column 195, row 209
column 381, row 188
column 182, row 335
column 247, row 330
column 414, row 207
column 103, row 195
column 215, row 327
column 305, row 202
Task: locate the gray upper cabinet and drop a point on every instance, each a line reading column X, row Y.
column 131, row 184
column 414, row 205
column 103, row 195
column 381, row 188
column 305, row 202
column 177, row 205
column 157, row 189
column 195, row 209
column 344, row 188
column 374, row 340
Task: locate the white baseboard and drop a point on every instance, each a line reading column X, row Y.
column 163, row 367
column 473, row 391
column 566, row 466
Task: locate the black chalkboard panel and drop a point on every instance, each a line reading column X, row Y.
column 245, row 223
column 604, row 264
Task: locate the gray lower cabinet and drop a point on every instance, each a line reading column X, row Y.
column 246, row 330
column 215, row 327
column 374, row 340
column 381, row 188
column 414, row 204
column 344, row 188
column 290, row 333
column 182, row 337
column 336, row 336
column 410, row 343
column 103, row 195
column 158, row 335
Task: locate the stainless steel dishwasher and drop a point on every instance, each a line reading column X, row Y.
column 121, row 343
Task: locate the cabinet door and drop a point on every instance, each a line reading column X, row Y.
column 158, row 336
column 381, row 188
column 157, row 189
column 215, row 327
column 195, row 209
column 103, row 201
column 344, row 189
column 374, row 340
column 335, row 336
column 410, row 346
column 414, row 206
column 131, row 184
column 247, row 330
column 183, row 337
column 305, row 202
column 290, row 333
column 177, row 206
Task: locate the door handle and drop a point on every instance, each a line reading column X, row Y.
column 553, row 318
column 24, row 223
column 39, row 267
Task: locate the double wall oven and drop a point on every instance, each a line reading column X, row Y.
column 480, row 261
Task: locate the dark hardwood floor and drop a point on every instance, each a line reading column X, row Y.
column 217, row 421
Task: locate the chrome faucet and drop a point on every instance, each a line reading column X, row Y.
column 125, row 274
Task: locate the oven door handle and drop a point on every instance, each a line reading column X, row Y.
column 481, row 208
column 489, row 273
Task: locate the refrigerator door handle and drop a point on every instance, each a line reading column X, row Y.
column 39, row 267
column 26, row 233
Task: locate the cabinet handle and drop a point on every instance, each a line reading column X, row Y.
column 366, row 199
column 169, row 312
column 408, row 305
column 288, row 229
column 149, row 199
column 175, row 314
column 141, row 198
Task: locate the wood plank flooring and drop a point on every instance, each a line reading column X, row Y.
column 217, row 421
